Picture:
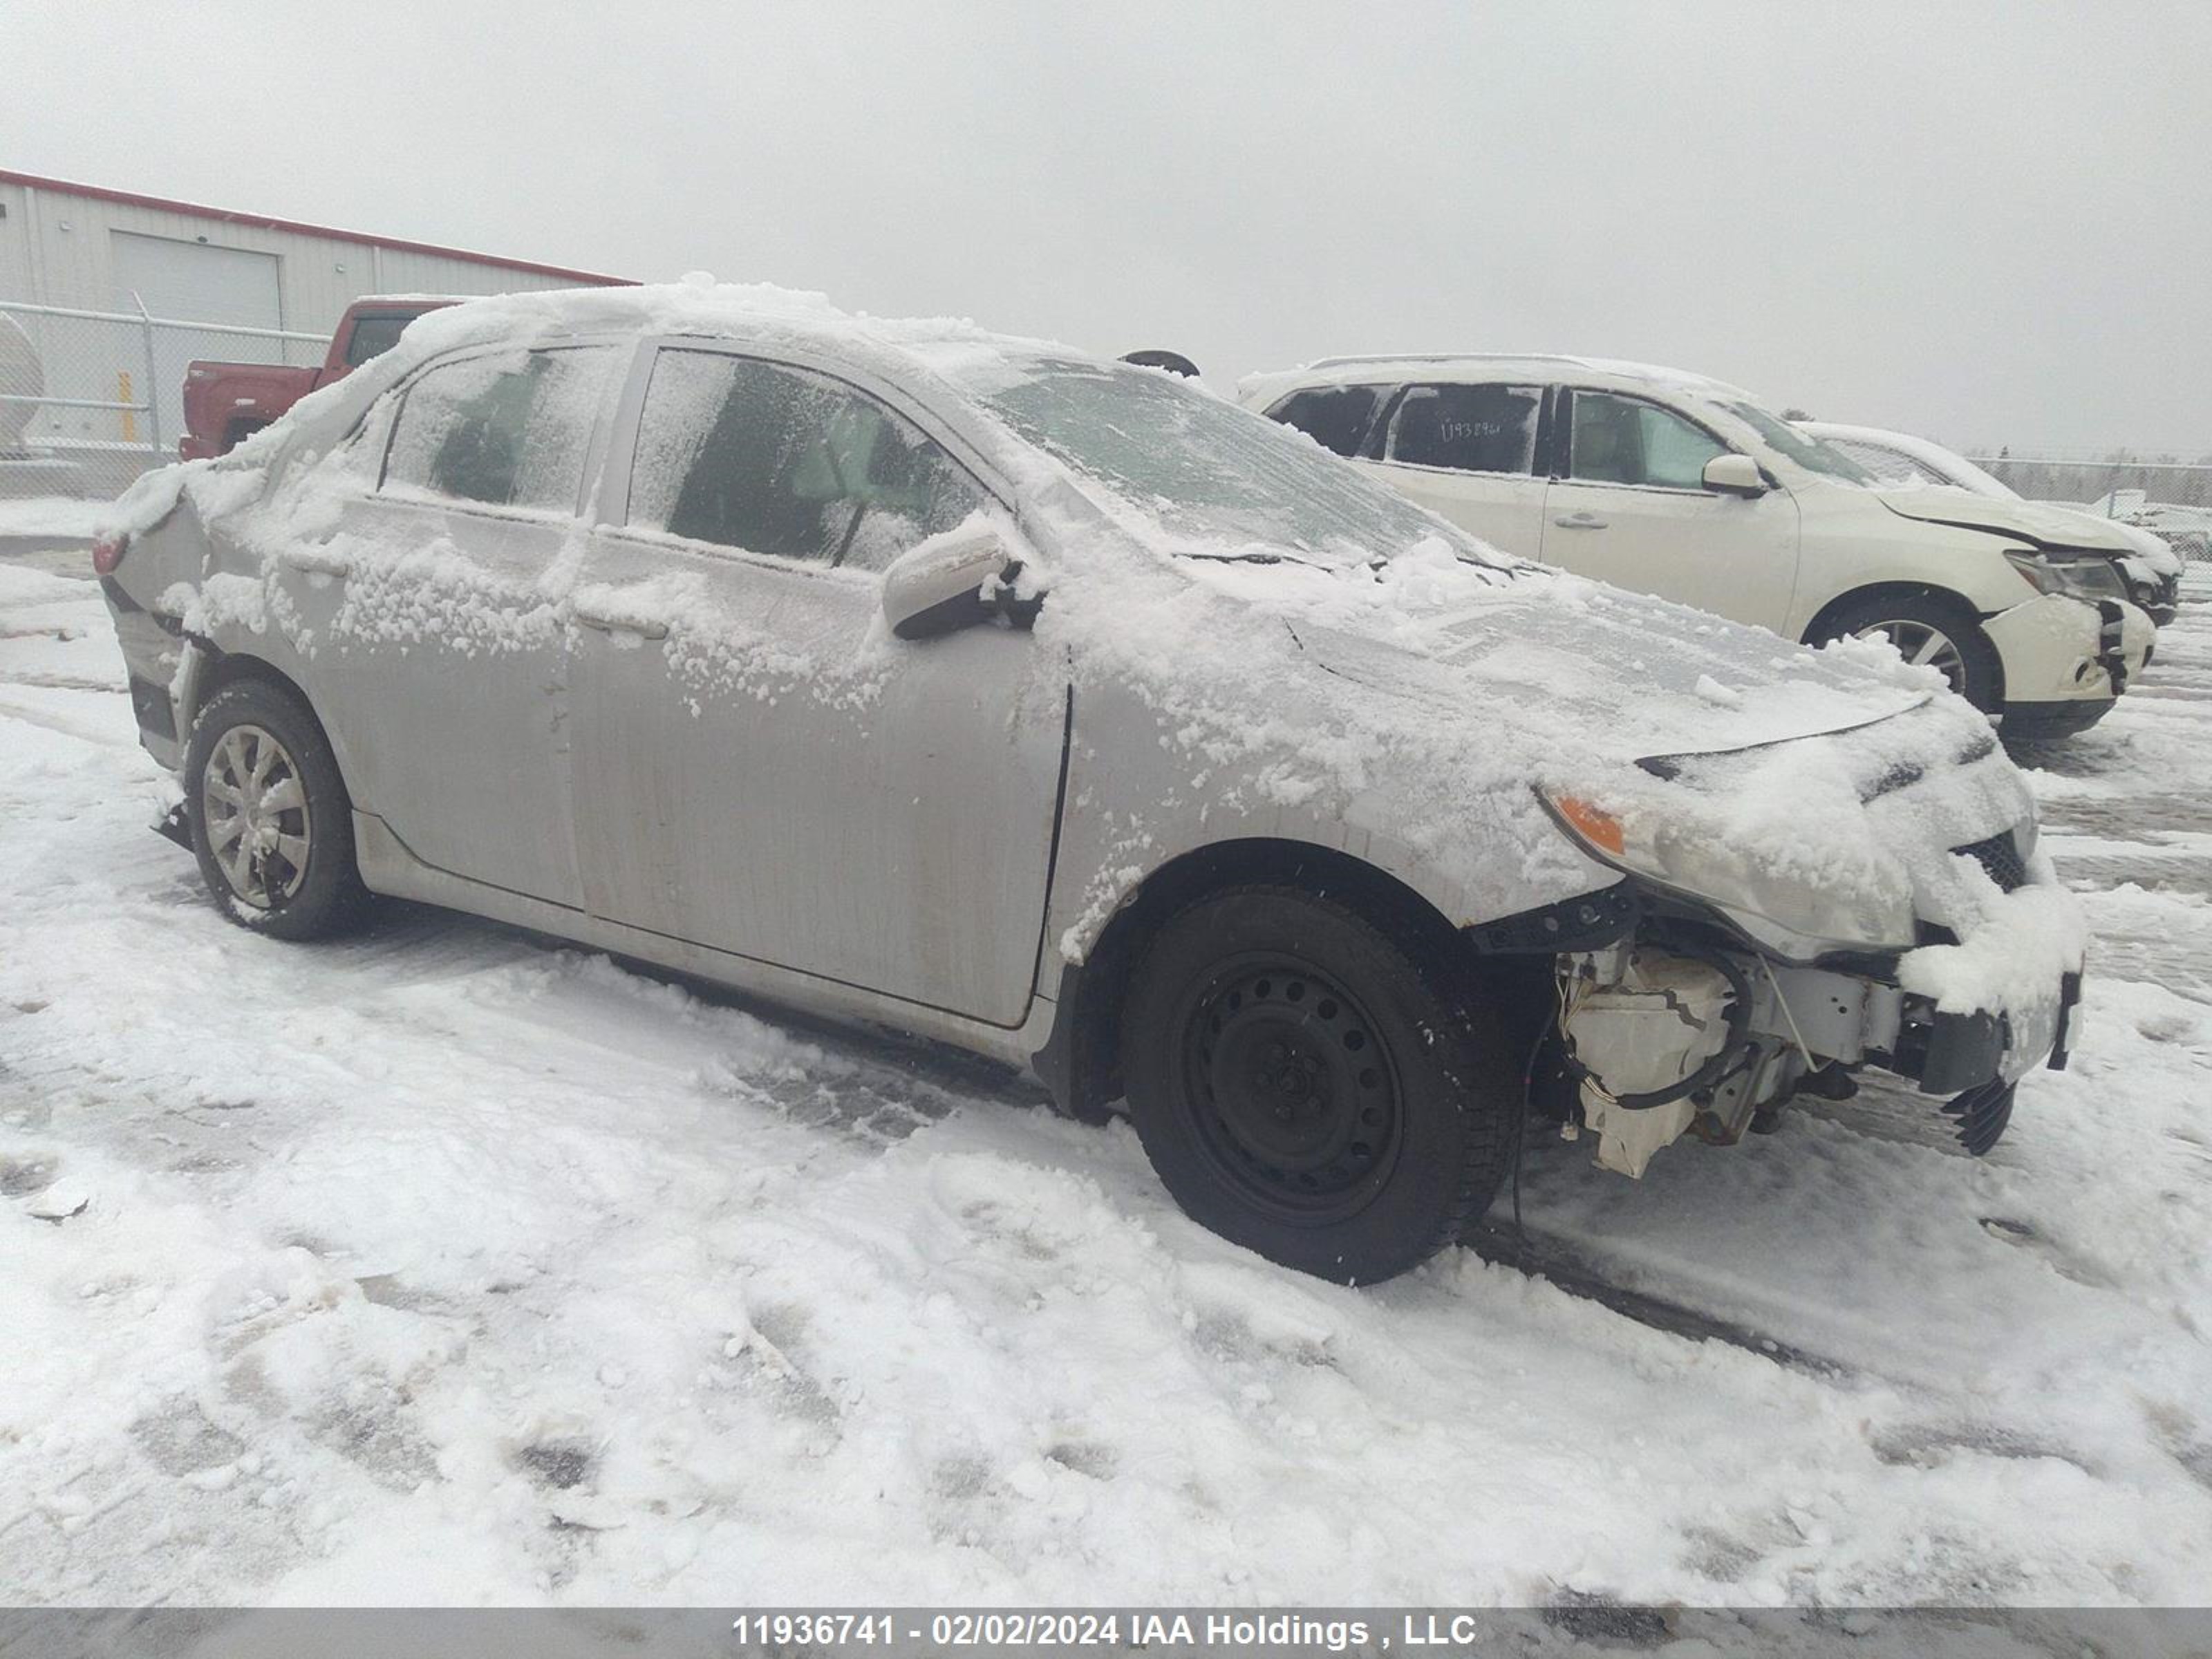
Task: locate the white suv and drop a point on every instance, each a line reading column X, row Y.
column 1678, row 486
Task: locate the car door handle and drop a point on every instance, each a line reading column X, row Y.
column 644, row 630
column 1579, row 521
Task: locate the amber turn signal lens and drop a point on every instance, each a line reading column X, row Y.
column 1593, row 823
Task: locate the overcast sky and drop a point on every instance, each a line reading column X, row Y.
column 1981, row 223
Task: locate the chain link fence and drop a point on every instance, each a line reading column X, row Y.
column 2085, row 477
column 89, row 399
column 2170, row 497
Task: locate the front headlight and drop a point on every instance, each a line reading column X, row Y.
column 2090, row 577
column 1676, row 855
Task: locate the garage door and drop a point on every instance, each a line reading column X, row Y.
column 201, row 285
column 192, row 280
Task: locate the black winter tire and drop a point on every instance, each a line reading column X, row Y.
column 271, row 823
column 1309, row 1088
column 1980, row 676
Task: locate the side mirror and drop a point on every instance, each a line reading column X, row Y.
column 937, row 587
column 1734, row 475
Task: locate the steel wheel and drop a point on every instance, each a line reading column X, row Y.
column 1310, row 1087
column 255, row 807
column 1923, row 645
column 1294, row 1102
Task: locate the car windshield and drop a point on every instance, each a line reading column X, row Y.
column 1224, row 482
column 1813, row 455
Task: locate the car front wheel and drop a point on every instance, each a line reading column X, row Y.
column 1932, row 632
column 1309, row 1088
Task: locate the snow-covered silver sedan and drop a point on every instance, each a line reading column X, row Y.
column 1057, row 709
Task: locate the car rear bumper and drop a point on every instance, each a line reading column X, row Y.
column 154, row 652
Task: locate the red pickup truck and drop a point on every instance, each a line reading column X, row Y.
column 224, row 402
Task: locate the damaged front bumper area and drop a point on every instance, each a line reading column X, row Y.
column 1792, row 914
column 1670, row 1021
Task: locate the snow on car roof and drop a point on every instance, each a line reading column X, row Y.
column 697, row 305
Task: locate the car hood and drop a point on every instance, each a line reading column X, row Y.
column 1842, row 767
column 2028, row 521
column 1608, row 673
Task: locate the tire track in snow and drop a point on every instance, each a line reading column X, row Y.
column 88, row 729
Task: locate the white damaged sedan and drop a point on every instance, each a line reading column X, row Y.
column 1056, row 709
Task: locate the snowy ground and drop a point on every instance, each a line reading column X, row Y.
column 451, row 1265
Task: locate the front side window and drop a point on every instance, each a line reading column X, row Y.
column 775, row 460
column 1468, row 429
column 1626, row 440
column 1334, row 416
column 509, row 429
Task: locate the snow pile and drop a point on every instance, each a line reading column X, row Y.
column 2015, row 952
column 440, row 1266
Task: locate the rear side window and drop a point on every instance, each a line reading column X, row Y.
column 1334, row 416
column 775, row 460
column 373, row 336
column 1466, row 429
column 1626, row 440
column 510, row 429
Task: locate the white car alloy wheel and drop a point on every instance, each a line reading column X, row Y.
column 258, row 826
column 1923, row 645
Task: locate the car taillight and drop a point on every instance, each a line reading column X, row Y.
column 107, row 553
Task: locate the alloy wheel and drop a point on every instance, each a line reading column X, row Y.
column 255, row 805
column 1923, row 645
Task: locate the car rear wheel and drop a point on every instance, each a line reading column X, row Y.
column 1307, row 1087
column 1931, row 632
column 271, row 824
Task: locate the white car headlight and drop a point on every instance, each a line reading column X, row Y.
column 2090, row 577
column 1677, row 855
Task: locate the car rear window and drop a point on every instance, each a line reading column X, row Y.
column 1334, row 416
column 374, row 334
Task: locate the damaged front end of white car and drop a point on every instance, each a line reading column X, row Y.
column 1791, row 913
